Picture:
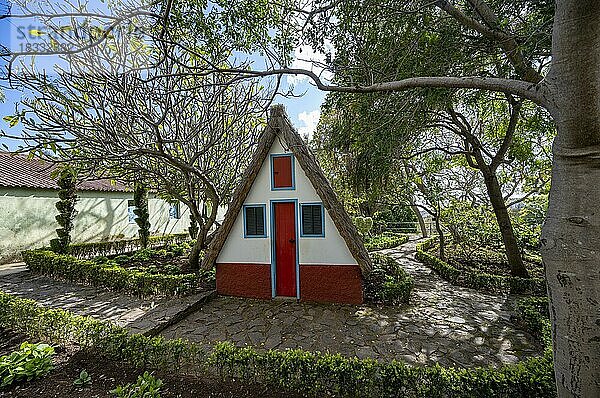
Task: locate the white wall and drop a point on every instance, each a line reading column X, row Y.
column 27, row 218
column 328, row 250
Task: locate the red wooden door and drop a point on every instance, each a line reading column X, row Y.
column 285, row 249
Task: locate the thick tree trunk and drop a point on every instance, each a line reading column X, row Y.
column 420, row 219
column 571, row 243
column 571, row 233
column 511, row 246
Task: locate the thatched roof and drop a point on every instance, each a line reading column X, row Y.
column 279, row 125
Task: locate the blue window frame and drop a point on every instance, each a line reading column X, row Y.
column 174, row 211
column 255, row 221
column 312, row 220
column 293, row 171
column 131, row 216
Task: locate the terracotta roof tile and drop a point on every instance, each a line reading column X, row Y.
column 16, row 171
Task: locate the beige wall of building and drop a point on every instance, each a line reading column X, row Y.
column 27, row 218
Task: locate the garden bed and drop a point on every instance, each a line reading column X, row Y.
column 106, row 374
column 475, row 275
column 122, row 246
column 314, row 374
column 487, row 260
column 147, row 272
column 386, row 240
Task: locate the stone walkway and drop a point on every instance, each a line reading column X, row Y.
column 138, row 315
column 13, row 268
column 444, row 323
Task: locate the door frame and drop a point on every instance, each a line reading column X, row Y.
column 273, row 239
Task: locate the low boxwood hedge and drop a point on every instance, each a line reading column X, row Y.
column 112, row 276
column 534, row 316
column 388, row 282
column 112, row 247
column 386, row 240
column 315, row 374
column 478, row 280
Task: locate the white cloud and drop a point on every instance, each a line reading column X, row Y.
column 305, row 57
column 310, row 120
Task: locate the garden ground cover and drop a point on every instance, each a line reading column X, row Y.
column 487, row 260
column 107, row 374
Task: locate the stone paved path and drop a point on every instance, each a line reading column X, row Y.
column 138, row 315
column 13, row 268
column 443, row 323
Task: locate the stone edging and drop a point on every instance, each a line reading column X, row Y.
column 155, row 321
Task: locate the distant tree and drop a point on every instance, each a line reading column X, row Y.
column 140, row 199
column 67, row 182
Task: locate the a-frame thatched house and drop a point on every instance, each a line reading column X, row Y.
column 285, row 233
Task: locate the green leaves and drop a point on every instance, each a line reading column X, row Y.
column 146, row 386
column 29, row 362
column 12, row 120
column 303, row 372
column 388, row 282
column 83, row 380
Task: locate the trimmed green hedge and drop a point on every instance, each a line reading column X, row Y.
column 534, row 316
column 386, row 240
column 388, row 282
column 108, row 248
column 316, row 374
column 112, row 276
column 478, row 280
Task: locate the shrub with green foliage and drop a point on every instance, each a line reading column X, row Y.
column 146, row 386
column 386, row 240
column 29, row 362
column 363, row 225
column 67, row 182
column 309, row 373
column 478, row 280
column 110, row 275
column 108, row 248
column 388, row 282
column 142, row 219
column 533, row 314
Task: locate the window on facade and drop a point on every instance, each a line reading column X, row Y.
column 254, row 221
column 130, row 213
column 282, row 167
column 312, row 220
column 175, row 211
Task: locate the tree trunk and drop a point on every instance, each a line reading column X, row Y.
column 441, row 238
column 201, row 240
column 571, row 233
column 194, row 259
column 570, row 248
column 511, row 246
column 419, row 216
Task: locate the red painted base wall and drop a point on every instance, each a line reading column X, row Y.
column 318, row 283
column 331, row 284
column 244, row 280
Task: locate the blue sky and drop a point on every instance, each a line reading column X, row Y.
column 304, row 111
